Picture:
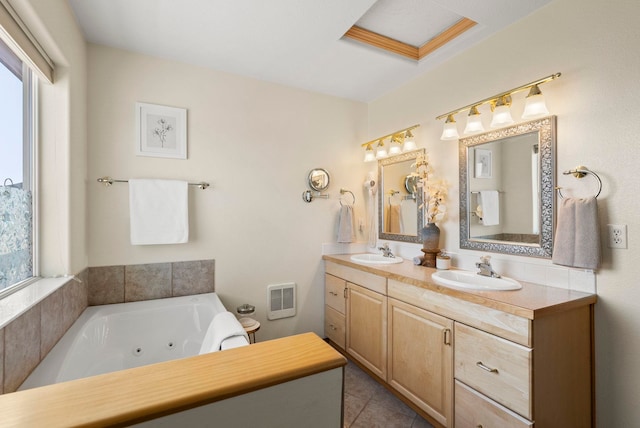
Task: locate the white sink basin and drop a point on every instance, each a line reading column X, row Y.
column 375, row 259
column 473, row 281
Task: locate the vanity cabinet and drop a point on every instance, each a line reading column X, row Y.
column 359, row 298
column 421, row 358
column 464, row 359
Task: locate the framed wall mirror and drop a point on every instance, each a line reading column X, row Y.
column 507, row 189
column 400, row 217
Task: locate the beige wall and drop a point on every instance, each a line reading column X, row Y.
column 255, row 142
column 594, row 44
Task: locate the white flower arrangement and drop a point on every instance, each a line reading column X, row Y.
column 434, row 192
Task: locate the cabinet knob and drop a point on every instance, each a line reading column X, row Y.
column 486, row 368
column 332, row 327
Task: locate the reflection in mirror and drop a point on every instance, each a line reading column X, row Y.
column 399, row 215
column 319, row 179
column 506, row 189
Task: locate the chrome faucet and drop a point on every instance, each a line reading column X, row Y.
column 485, row 267
column 386, row 251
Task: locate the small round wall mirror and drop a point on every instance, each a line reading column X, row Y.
column 319, row 179
column 411, row 184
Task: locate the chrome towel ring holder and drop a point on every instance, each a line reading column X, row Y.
column 343, row 191
column 580, row 172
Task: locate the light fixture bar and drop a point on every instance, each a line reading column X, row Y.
column 375, row 140
column 500, row 95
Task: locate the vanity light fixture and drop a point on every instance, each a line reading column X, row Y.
column 399, row 142
column 474, row 122
column 502, row 112
column 500, row 105
column 395, row 148
column 450, row 129
column 409, row 142
column 369, row 155
column 381, row 152
column 534, row 104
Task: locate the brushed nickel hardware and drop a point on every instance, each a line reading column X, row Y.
column 108, row 181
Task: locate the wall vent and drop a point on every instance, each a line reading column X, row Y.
column 281, row 300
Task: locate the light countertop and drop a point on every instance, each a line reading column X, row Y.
column 532, row 301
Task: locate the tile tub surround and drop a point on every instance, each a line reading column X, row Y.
column 131, row 283
column 26, row 340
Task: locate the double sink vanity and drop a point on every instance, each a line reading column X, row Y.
column 465, row 357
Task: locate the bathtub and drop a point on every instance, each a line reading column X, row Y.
column 114, row 337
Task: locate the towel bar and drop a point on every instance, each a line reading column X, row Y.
column 108, row 181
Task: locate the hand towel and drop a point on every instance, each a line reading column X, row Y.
column 490, row 201
column 577, row 238
column 346, row 231
column 223, row 326
column 394, row 220
column 158, row 211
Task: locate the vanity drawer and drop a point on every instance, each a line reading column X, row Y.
column 364, row 279
column 334, row 292
column 496, row 367
column 475, row 410
column 334, row 326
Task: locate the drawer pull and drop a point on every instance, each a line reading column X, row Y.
column 332, row 327
column 333, row 293
column 485, row 368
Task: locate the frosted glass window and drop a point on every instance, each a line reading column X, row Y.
column 16, row 198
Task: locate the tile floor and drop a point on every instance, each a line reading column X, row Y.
column 368, row 404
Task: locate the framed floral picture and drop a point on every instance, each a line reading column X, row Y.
column 161, row 131
column 483, row 163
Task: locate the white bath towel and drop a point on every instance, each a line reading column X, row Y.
column 346, row 231
column 159, row 211
column 223, row 326
column 490, row 201
column 577, row 239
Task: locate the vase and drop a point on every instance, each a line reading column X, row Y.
column 430, row 235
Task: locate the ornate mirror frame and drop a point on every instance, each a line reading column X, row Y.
column 546, row 128
column 409, row 156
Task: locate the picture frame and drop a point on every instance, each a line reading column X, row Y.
column 161, row 131
column 482, row 163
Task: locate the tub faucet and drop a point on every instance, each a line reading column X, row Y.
column 485, row 267
column 386, row 251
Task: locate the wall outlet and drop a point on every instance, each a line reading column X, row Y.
column 617, row 235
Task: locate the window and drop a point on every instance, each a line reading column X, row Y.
column 16, row 171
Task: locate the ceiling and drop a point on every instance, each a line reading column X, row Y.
column 299, row 43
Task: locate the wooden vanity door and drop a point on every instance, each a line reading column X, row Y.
column 421, row 358
column 367, row 328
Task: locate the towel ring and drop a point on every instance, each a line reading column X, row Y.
column 343, row 191
column 580, row 172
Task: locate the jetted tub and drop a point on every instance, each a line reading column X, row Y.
column 114, row 337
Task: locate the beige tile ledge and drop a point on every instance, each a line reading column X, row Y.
column 19, row 302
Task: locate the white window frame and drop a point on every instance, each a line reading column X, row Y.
column 30, row 164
